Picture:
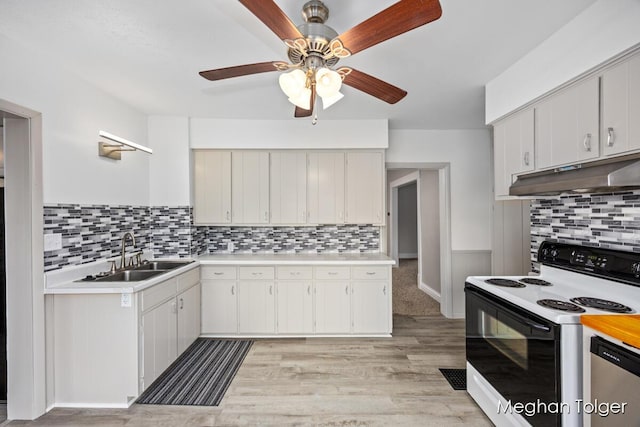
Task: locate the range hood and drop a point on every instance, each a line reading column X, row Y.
column 603, row 176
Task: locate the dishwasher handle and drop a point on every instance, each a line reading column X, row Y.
column 617, row 355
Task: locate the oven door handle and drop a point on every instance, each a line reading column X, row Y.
column 538, row 326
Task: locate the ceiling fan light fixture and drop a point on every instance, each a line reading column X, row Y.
column 328, row 101
column 328, row 82
column 293, row 83
column 302, row 99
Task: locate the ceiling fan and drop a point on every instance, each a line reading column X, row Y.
column 314, row 49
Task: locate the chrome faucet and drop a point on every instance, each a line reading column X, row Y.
column 124, row 249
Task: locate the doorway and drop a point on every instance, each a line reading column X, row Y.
column 24, row 262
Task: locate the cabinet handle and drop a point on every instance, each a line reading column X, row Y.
column 370, row 273
column 526, row 158
column 233, row 290
column 218, row 273
column 266, row 216
column 271, row 290
column 346, row 289
column 611, row 137
column 384, row 290
column 228, row 216
column 332, row 273
column 181, row 303
column 587, row 142
column 257, row 273
column 309, row 290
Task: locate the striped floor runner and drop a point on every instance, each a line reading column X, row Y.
column 200, row 376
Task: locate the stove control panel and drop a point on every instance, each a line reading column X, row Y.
column 616, row 265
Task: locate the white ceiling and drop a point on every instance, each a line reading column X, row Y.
column 148, row 53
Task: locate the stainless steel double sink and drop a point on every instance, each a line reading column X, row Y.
column 142, row 272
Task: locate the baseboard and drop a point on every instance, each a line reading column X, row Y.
column 429, row 291
column 408, row 255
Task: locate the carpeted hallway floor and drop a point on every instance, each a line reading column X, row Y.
column 408, row 299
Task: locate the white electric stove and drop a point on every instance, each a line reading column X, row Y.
column 524, row 337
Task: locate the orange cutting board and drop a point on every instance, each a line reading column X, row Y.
column 624, row 327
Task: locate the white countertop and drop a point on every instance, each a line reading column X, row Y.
column 296, row 259
column 65, row 281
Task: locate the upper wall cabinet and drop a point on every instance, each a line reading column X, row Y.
column 288, row 187
column 212, row 187
column 250, row 187
column 365, row 188
column 513, row 145
column 621, row 107
column 567, row 126
column 325, row 188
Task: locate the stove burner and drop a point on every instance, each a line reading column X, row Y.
column 560, row 305
column 508, row 283
column 534, row 281
column 602, row 304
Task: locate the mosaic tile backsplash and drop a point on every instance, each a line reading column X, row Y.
column 610, row 220
column 94, row 232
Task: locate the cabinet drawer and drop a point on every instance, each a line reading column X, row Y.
column 188, row 279
column 370, row 272
column 295, row 273
column 332, row 273
column 158, row 293
column 218, row 272
column 256, row 273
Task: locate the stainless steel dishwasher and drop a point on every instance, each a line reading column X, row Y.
column 615, row 385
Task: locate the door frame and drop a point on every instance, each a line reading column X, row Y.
column 444, row 196
column 26, row 344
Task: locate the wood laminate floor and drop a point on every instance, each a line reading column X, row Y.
column 324, row 381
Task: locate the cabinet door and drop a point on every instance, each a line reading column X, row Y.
column 621, row 107
column 256, row 307
column 325, row 188
column 288, row 187
column 219, row 307
column 295, row 307
column 212, row 187
column 250, row 187
column 333, row 307
column 188, row 317
column 519, row 141
column 502, row 174
column 371, row 307
column 567, row 126
column 364, row 188
column 159, row 329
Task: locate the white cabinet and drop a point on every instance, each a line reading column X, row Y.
column 621, row 107
column 219, row 306
column 294, row 300
column 212, row 187
column 325, row 188
column 371, row 308
column 250, row 187
column 365, row 188
column 256, row 307
column 513, row 144
column 567, row 126
column 333, row 307
column 288, row 187
column 188, row 303
column 159, row 340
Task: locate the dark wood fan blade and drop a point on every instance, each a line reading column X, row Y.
column 239, row 70
column 301, row 112
column 273, row 17
column 398, row 18
column 374, row 86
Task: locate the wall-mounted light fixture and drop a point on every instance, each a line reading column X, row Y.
column 112, row 151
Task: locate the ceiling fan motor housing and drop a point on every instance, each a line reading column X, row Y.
column 315, row 11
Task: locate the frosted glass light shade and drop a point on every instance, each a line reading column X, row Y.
column 293, row 83
column 328, row 82
column 328, row 101
column 302, row 99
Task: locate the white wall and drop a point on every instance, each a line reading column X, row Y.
column 602, row 31
column 169, row 170
column 72, row 113
column 288, row 134
column 469, row 154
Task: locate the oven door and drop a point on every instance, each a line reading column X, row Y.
column 516, row 351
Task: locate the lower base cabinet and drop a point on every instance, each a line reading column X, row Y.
column 159, row 337
column 296, row 300
column 188, row 309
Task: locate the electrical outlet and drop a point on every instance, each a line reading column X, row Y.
column 230, row 246
column 52, row 242
column 125, row 300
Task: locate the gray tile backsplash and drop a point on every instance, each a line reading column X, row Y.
column 610, row 220
column 93, row 232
